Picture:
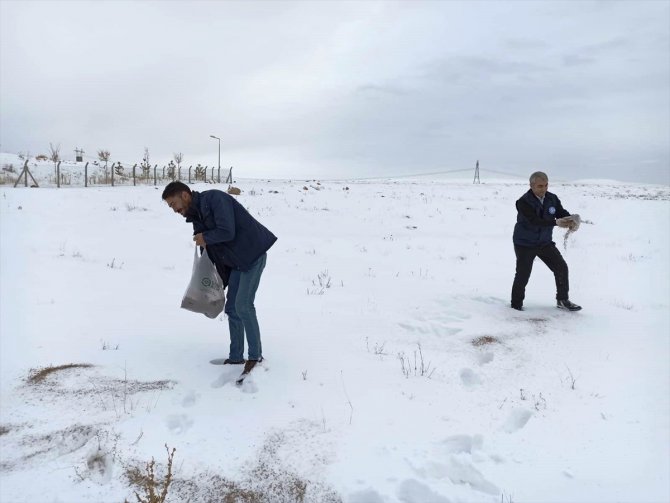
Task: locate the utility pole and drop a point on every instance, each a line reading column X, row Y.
column 476, row 180
column 79, row 153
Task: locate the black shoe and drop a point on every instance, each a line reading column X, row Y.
column 228, row 361
column 518, row 307
column 566, row 304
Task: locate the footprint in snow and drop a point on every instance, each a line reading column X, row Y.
column 469, row 378
column 458, row 471
column 365, row 496
column 413, row 491
column 179, row 423
column 190, row 399
column 462, row 443
column 227, row 376
column 484, row 358
column 516, row 420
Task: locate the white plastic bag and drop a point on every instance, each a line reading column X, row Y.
column 205, row 292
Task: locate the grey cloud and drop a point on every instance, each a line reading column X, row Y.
column 375, row 89
column 524, row 44
column 577, row 60
column 464, row 69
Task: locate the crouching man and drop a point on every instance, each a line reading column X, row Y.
column 538, row 212
column 237, row 244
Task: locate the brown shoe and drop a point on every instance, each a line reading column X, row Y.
column 250, row 364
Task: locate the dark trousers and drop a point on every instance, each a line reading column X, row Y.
column 548, row 254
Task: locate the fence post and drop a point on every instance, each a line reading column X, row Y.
column 163, row 178
column 155, row 183
column 189, row 174
column 179, row 174
column 58, row 174
column 86, row 175
column 112, row 173
column 134, row 166
column 219, row 175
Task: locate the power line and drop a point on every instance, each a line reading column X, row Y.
column 503, row 173
column 410, row 175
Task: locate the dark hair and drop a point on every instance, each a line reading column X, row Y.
column 175, row 188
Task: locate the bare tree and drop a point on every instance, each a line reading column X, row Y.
column 104, row 155
column 171, row 170
column 178, row 158
column 145, row 165
column 54, row 154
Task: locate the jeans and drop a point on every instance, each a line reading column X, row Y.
column 548, row 254
column 241, row 311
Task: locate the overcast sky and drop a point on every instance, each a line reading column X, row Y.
column 319, row 89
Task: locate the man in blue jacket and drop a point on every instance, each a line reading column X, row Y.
column 237, row 244
column 538, row 212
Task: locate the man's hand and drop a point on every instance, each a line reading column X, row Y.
column 199, row 240
column 568, row 222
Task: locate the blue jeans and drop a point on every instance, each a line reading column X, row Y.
column 241, row 311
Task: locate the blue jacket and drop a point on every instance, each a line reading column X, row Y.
column 235, row 239
column 535, row 221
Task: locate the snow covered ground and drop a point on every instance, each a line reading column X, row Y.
column 395, row 371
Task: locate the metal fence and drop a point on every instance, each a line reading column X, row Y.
column 114, row 174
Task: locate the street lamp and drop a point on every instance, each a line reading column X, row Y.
column 217, row 138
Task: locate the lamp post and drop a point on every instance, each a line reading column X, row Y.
column 217, row 138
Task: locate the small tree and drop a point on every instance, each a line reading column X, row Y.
column 200, row 172
column 104, row 155
column 178, row 158
column 54, row 153
column 54, row 156
column 145, row 163
column 171, row 170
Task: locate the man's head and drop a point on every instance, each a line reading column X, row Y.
column 178, row 197
column 539, row 182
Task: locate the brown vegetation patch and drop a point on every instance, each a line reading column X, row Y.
column 20, row 452
column 266, row 480
column 484, row 340
column 4, row 430
column 38, row 376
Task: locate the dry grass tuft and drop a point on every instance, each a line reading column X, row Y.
column 4, row 430
column 155, row 491
column 484, row 340
column 39, row 375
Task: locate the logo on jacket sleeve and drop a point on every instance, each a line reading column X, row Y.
column 552, row 210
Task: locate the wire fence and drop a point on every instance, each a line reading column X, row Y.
column 71, row 174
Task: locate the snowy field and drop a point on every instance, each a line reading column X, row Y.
column 395, row 371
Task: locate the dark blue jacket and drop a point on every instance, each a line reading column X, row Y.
column 535, row 221
column 235, row 239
